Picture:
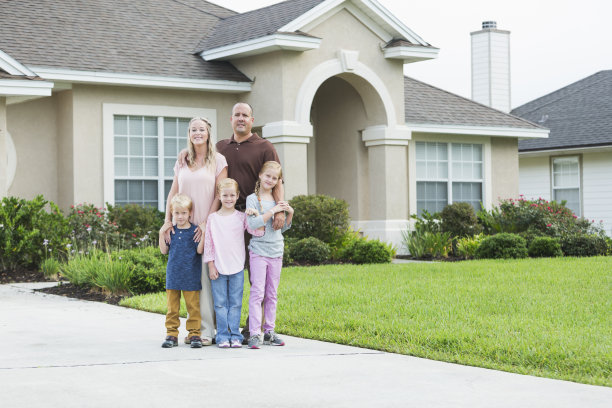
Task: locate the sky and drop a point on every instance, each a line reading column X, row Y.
column 553, row 43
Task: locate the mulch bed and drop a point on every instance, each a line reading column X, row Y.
column 62, row 288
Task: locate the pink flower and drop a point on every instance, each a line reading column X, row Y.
column 549, row 225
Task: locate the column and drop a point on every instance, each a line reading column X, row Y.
column 291, row 142
column 3, row 149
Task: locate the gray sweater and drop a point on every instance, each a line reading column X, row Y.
column 271, row 244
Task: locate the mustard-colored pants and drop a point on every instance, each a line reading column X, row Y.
column 192, row 300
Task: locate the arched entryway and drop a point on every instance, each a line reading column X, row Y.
column 342, row 108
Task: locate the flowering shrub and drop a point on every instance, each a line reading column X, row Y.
column 91, row 228
column 138, row 226
column 539, row 217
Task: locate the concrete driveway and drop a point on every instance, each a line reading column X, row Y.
column 60, row 352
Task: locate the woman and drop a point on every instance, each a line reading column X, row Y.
column 205, row 168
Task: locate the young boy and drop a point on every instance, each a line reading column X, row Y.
column 183, row 273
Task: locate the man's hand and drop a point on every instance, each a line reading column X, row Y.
column 182, row 158
column 279, row 220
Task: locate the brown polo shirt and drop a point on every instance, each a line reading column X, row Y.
column 244, row 160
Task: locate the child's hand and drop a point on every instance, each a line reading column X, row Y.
column 213, row 273
column 251, row 211
column 289, row 209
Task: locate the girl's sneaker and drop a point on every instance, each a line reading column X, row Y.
column 255, row 341
column 224, row 344
column 272, row 339
column 236, row 344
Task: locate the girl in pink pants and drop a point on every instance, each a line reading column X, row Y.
column 265, row 256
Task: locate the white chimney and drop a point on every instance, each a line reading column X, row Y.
column 491, row 66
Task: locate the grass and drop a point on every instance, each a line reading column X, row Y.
column 544, row 317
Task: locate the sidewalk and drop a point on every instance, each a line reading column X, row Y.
column 60, row 352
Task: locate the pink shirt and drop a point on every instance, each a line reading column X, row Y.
column 199, row 185
column 224, row 241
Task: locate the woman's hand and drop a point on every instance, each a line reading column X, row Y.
column 199, row 232
column 166, row 229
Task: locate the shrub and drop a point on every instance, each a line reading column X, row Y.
column 310, row 250
column 113, row 276
column 50, row 268
column 467, row 246
column 426, row 244
column 544, row 247
column 460, row 220
column 365, row 250
column 502, row 245
column 539, row 216
column 82, row 269
column 584, row 245
column 287, row 258
column 136, row 225
column 91, row 229
column 319, row 216
column 28, row 233
column 148, row 269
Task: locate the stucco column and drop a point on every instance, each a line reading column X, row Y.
column 3, row 149
column 388, row 174
column 291, row 142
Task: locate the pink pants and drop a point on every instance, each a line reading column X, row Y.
column 265, row 276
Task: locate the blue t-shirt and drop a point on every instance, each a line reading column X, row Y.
column 184, row 270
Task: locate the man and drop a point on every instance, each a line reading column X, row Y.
column 246, row 153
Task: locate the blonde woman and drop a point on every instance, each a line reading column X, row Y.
column 205, row 168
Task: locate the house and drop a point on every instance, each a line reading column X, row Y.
column 95, row 97
column 575, row 163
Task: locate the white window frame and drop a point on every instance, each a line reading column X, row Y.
column 578, row 186
column 109, row 110
column 484, row 141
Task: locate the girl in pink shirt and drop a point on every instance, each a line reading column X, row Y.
column 224, row 253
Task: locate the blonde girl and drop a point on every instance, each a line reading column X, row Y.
column 265, row 256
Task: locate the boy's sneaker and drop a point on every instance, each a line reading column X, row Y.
column 255, row 341
column 195, row 341
column 223, row 344
column 206, row 341
column 171, row 341
column 236, row 344
column 272, row 339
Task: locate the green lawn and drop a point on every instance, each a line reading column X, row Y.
column 545, row 317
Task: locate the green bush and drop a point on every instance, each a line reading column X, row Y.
column 502, row 245
column 467, row 246
column 81, row 269
column 148, row 269
column 113, row 276
column 319, row 216
column 544, row 247
column 363, row 250
column 29, row 233
column 287, row 258
column 584, row 245
column 91, row 229
column 50, row 268
column 310, row 250
column 460, row 220
column 426, row 244
column 138, row 226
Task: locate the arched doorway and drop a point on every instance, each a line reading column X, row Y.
column 338, row 164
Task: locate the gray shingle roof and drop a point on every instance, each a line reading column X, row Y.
column 578, row 115
column 426, row 104
column 256, row 23
column 137, row 36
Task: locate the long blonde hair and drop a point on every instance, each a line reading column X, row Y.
column 209, row 160
column 267, row 165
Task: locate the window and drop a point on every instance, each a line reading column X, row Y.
column 447, row 173
column 145, row 150
column 566, row 182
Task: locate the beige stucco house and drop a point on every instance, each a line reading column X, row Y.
column 95, row 97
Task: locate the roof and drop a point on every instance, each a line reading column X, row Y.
column 578, row 115
column 255, row 23
column 426, row 104
column 138, row 36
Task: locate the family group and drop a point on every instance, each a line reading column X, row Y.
column 226, row 199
